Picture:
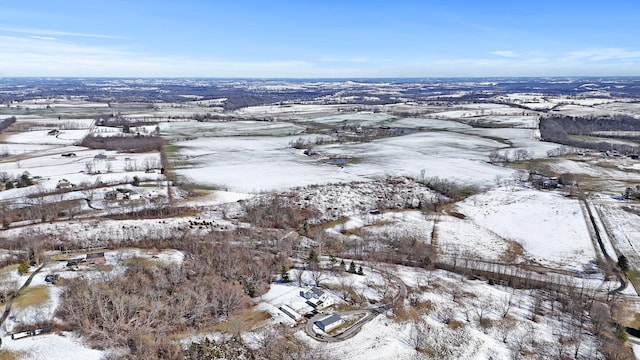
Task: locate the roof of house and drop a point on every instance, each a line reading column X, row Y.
column 317, row 291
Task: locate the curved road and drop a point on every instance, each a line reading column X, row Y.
column 347, row 334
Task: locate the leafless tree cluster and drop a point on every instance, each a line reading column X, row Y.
column 269, row 344
column 508, row 156
column 142, row 308
column 121, row 121
column 41, row 205
column 447, row 187
column 137, row 143
column 65, row 125
column 561, row 151
column 5, row 123
column 441, row 342
column 276, row 211
column 396, row 247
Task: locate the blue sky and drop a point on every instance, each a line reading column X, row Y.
column 323, row 38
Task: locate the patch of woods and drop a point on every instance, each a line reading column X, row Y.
column 318, row 204
column 276, row 212
column 124, row 143
column 277, row 343
column 4, row 124
column 581, row 323
column 559, row 129
column 632, row 193
column 11, row 181
column 450, row 189
column 137, row 312
column 120, row 121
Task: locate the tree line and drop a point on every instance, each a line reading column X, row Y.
column 559, row 129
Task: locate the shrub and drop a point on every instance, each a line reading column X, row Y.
column 23, row 268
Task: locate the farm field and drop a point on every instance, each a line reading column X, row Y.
column 443, row 225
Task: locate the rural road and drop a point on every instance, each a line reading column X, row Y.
column 347, row 334
column 7, row 307
column 610, row 260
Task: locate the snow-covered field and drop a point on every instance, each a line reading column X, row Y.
column 511, row 224
column 51, row 346
column 551, row 228
column 251, row 164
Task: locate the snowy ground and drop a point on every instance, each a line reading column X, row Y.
column 66, row 345
column 551, row 228
column 234, row 163
column 51, row 346
column 249, row 157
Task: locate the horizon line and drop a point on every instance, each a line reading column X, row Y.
column 45, row 77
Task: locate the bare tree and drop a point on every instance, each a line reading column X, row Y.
column 505, row 303
column 4, row 176
column 317, row 274
column 418, row 334
column 298, row 276
column 89, row 166
column 505, row 328
column 600, row 317
column 482, row 309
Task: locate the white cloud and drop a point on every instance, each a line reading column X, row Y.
column 43, row 32
column 43, row 38
column 603, row 54
column 345, row 59
column 505, row 53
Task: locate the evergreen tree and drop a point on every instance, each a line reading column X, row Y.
column 343, row 266
column 360, row 272
column 284, row 273
column 332, row 260
column 313, row 257
column 352, row 267
column 23, row 268
column 623, row 263
column 621, row 333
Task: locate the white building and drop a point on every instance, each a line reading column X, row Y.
column 317, row 297
column 287, row 310
column 329, row 322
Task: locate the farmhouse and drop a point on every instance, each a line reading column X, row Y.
column 64, row 184
column 132, row 195
column 317, row 297
column 330, row 322
column 113, row 195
